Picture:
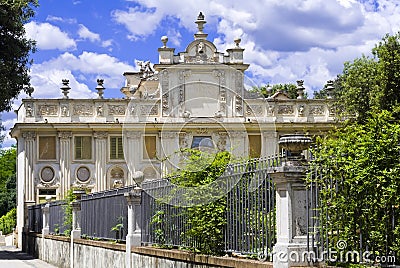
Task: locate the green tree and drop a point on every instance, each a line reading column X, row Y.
column 206, row 221
column 289, row 89
column 14, row 49
column 361, row 187
column 371, row 83
column 8, row 158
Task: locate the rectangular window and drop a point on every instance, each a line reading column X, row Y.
column 83, row 147
column 116, row 149
column 254, row 146
column 149, row 147
column 47, row 147
column 43, row 193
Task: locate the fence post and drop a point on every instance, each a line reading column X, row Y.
column 45, row 224
column 134, row 236
column 76, row 227
column 291, row 215
column 45, row 211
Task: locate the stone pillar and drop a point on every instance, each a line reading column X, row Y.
column 76, row 227
column 269, row 143
column 101, row 160
column 30, row 157
column 46, row 211
column 131, row 148
column 169, row 148
column 21, row 184
column 291, row 215
column 65, row 162
column 134, row 236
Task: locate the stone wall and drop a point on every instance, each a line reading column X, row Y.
column 88, row 253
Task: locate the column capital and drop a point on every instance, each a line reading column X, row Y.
column 100, row 134
column 29, row 135
column 65, row 135
column 169, row 134
column 132, row 134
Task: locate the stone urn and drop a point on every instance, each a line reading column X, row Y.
column 294, row 144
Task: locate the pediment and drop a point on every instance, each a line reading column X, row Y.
column 201, row 51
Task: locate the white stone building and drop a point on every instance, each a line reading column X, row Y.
column 196, row 97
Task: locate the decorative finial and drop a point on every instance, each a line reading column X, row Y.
column 269, row 90
column 164, row 40
column 329, row 89
column 65, row 88
column 300, row 89
column 237, row 41
column 200, row 23
column 29, row 90
column 100, row 88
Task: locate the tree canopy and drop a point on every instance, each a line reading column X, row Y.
column 361, row 157
column 372, row 83
column 289, row 89
column 14, row 49
column 8, row 158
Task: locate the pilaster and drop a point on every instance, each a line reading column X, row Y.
column 269, row 143
column 101, row 160
column 65, row 161
column 169, row 148
column 30, row 156
column 131, row 148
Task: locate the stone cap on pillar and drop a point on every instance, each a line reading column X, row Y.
column 76, row 206
column 134, row 197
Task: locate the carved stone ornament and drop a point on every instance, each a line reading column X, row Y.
column 270, row 110
column 300, row 110
column 239, row 104
column 132, row 134
column 29, row 135
column 84, row 109
column 116, row 109
column 254, row 110
column 45, row 109
column 100, row 135
column 29, row 110
column 64, row 110
column 47, row 174
column 100, row 110
column 83, row 174
column 65, row 134
column 149, row 110
column 317, row 110
column 285, row 109
column 168, row 135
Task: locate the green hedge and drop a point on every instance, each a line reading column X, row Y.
column 8, row 221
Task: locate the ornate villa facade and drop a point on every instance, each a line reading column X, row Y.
column 190, row 99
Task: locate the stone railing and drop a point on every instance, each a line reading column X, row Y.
column 146, row 110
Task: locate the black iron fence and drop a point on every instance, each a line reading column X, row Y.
column 57, row 220
column 105, row 215
column 330, row 241
column 35, row 218
column 250, row 210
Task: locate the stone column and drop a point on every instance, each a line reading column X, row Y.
column 134, row 236
column 269, row 143
column 30, row 159
column 169, row 148
column 21, row 184
column 65, row 162
column 131, row 148
column 291, row 215
column 101, row 160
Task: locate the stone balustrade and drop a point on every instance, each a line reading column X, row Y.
column 149, row 110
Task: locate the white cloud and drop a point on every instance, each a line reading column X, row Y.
column 85, row 33
column 47, row 76
column 60, row 19
column 49, row 37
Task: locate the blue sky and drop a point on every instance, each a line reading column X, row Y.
column 285, row 40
